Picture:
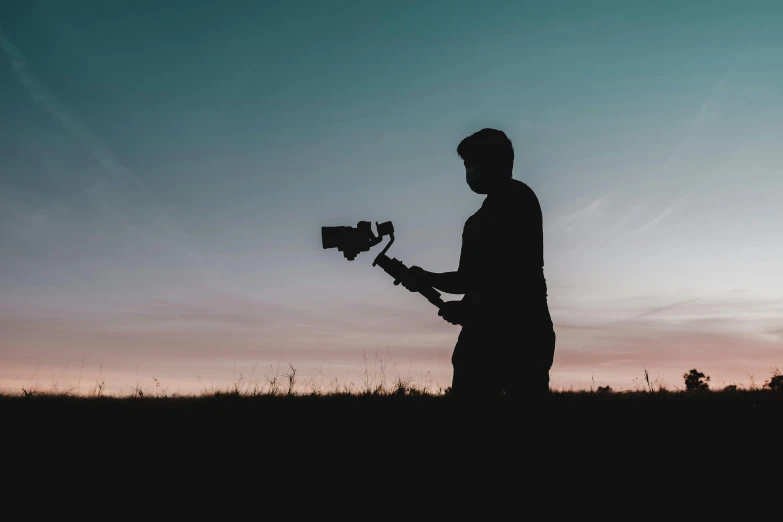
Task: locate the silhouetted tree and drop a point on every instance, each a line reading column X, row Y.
column 775, row 382
column 696, row 381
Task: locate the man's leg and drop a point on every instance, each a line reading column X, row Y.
column 526, row 382
column 527, row 370
column 474, row 376
column 470, row 380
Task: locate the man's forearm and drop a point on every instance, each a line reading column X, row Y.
column 449, row 282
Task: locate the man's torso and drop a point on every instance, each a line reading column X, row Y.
column 502, row 259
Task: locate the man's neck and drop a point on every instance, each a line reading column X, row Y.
column 500, row 186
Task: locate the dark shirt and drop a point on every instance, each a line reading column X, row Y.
column 502, row 259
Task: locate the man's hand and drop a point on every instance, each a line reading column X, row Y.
column 454, row 312
column 414, row 279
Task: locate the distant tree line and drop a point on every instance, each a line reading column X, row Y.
column 696, row 381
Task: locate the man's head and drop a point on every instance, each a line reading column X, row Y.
column 488, row 157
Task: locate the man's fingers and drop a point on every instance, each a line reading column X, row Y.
column 449, row 318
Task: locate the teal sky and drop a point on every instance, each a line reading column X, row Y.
column 165, row 171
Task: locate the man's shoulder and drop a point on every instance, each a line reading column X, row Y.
column 472, row 219
column 522, row 190
column 517, row 197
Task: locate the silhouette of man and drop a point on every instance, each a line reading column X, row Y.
column 507, row 342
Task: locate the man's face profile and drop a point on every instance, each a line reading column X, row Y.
column 476, row 177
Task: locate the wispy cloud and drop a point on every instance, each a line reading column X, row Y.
column 659, row 309
column 657, row 219
column 580, row 216
column 65, row 115
column 118, row 175
column 656, row 196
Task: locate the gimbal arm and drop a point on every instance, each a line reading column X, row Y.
column 399, row 271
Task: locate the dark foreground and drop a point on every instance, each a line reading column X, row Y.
column 438, row 420
column 419, row 439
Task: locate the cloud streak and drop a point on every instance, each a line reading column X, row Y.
column 119, row 175
column 230, row 328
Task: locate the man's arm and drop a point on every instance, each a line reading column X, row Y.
column 449, row 282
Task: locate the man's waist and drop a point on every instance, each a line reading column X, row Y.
column 503, row 309
column 489, row 278
column 507, row 297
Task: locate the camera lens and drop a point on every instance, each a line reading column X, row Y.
column 330, row 236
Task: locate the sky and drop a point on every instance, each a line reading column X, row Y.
column 166, row 168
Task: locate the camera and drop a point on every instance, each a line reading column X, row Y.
column 353, row 240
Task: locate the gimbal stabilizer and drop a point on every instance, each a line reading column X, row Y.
column 351, row 241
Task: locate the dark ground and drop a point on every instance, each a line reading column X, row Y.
column 422, row 441
column 282, row 420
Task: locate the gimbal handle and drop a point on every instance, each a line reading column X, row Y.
column 397, row 269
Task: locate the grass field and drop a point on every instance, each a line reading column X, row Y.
column 237, row 442
column 293, row 411
column 397, row 423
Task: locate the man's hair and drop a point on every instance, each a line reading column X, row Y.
column 490, row 147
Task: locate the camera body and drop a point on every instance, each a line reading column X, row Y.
column 353, row 240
